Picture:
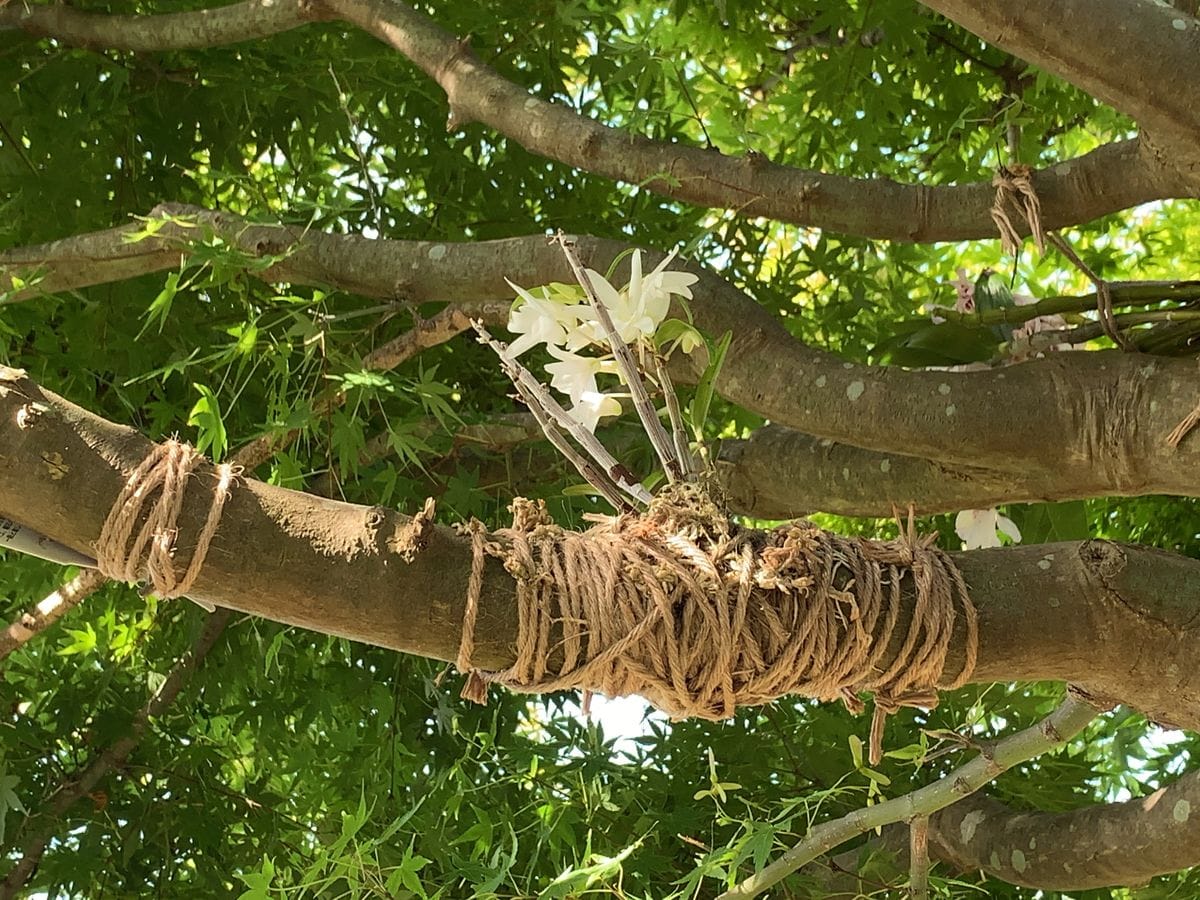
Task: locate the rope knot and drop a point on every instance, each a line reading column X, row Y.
column 1014, row 188
column 153, row 495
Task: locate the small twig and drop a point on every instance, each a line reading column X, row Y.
column 1071, row 716
column 918, row 858
column 627, row 366
column 1081, row 334
column 678, row 431
column 523, row 378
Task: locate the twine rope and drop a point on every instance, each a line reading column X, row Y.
column 1015, row 192
column 137, row 542
column 700, row 616
column 1186, row 424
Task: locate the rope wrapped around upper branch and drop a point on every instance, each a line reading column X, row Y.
column 137, row 541
column 701, row 616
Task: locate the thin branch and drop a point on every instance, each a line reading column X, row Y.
column 427, row 333
column 1123, row 293
column 627, row 367
column 49, row 610
column 38, row 834
column 1052, row 733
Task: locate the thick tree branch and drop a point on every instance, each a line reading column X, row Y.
column 781, row 473
column 1127, row 53
column 1072, row 425
column 1072, row 192
column 1111, row 178
column 1124, row 620
column 246, row 21
column 1113, row 844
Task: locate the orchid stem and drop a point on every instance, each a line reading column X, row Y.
column 628, row 368
column 539, row 400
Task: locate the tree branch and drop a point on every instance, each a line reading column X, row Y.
column 1052, row 733
column 1071, row 192
column 1124, row 620
column 1098, row 846
column 781, row 473
column 49, row 610
column 1121, row 51
column 1111, row 178
column 37, row 836
column 246, row 21
column 1071, row 425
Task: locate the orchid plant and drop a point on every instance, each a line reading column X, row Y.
column 618, row 332
column 573, row 335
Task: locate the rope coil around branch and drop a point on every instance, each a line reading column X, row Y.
column 137, row 541
column 700, row 616
column 1015, row 190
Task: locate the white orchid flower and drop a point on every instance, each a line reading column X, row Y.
column 591, row 406
column 640, row 308
column 539, row 320
column 655, row 289
column 575, row 375
column 981, row 528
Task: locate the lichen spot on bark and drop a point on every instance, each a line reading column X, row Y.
column 1181, row 811
column 855, row 390
column 970, row 822
column 1018, row 860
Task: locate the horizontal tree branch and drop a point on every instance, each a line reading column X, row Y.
column 1111, row 178
column 245, row 21
column 775, row 473
column 1114, row 844
column 1120, row 621
column 1071, row 425
column 781, row 473
column 1124, row 52
column 1106, row 845
column 1052, row 733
